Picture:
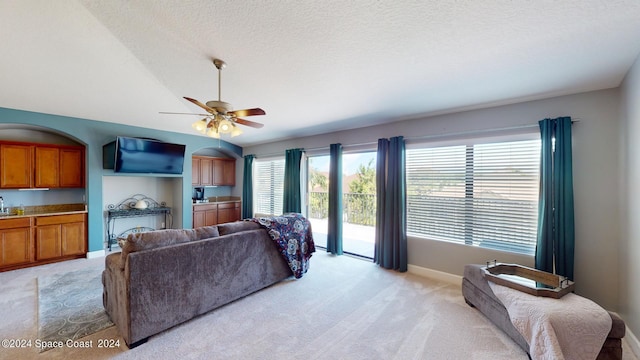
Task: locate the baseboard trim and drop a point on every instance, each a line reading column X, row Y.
column 633, row 342
column 96, row 254
column 435, row 274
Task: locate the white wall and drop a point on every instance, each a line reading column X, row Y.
column 629, row 269
column 161, row 189
column 596, row 169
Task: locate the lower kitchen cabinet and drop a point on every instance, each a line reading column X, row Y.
column 60, row 236
column 215, row 213
column 228, row 212
column 16, row 245
column 205, row 215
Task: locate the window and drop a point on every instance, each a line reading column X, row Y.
column 482, row 194
column 268, row 187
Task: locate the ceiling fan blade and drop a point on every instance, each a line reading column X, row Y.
column 175, row 113
column 252, row 124
column 247, row 112
column 209, row 110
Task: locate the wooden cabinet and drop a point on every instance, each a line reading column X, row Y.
column 224, row 172
column 25, row 165
column 34, row 240
column 216, row 213
column 205, row 215
column 202, row 171
column 72, row 168
column 16, row 166
column 16, row 245
column 60, row 236
column 228, row 212
column 207, row 171
column 195, row 171
column 47, row 169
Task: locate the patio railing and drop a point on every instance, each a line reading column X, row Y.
column 357, row 208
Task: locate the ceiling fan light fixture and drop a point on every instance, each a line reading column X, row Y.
column 225, row 126
column 213, row 132
column 200, row 125
column 236, row 131
column 220, row 117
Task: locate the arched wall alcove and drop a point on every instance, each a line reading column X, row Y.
column 41, row 135
column 93, row 135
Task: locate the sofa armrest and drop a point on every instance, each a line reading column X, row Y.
column 115, row 294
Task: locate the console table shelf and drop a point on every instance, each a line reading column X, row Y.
column 128, row 209
column 138, row 212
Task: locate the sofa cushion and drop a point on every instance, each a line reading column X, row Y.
column 206, row 232
column 237, row 226
column 165, row 237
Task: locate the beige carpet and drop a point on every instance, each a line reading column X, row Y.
column 343, row 308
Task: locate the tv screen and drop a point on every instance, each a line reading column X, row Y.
column 134, row 155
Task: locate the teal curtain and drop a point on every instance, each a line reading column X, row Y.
column 556, row 227
column 334, row 235
column 292, row 197
column 391, row 221
column 247, row 187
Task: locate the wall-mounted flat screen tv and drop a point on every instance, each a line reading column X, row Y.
column 137, row 155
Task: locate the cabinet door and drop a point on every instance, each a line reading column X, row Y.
column 206, row 171
column 228, row 212
column 48, row 242
column 229, row 172
column 236, row 213
column 15, row 166
column 224, row 215
column 47, row 161
column 198, row 219
column 195, row 171
column 218, row 172
column 72, row 168
column 224, row 172
column 73, row 238
column 15, row 246
column 211, row 217
column 205, row 218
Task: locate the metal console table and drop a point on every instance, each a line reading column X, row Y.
column 127, row 209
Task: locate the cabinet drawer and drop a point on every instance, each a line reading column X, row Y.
column 15, row 223
column 205, row 207
column 229, row 205
column 59, row 219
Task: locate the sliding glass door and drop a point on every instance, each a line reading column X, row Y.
column 358, row 201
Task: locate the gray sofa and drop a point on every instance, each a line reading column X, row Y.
column 163, row 278
column 477, row 293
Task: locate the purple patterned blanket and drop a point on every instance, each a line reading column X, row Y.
column 292, row 234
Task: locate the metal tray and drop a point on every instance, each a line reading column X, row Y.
column 528, row 280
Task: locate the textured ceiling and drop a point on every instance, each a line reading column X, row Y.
column 313, row 66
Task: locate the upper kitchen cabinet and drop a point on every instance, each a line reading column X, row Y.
column 71, row 167
column 24, row 166
column 47, row 168
column 213, row 171
column 16, row 166
column 224, row 172
column 202, row 171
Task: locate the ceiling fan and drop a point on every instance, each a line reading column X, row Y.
column 220, row 118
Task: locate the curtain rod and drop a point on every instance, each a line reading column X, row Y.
column 423, row 137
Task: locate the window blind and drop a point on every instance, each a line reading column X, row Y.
column 483, row 194
column 268, row 187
